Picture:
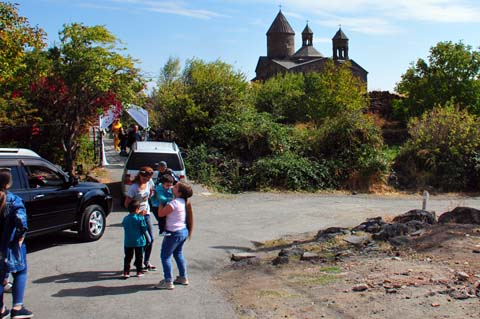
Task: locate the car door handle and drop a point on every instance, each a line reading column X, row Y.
column 38, row 196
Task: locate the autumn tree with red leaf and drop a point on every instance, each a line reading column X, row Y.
column 88, row 76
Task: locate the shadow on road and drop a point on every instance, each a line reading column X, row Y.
column 98, row 291
column 51, row 240
column 84, row 276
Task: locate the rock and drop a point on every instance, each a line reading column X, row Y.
column 241, row 256
column 372, row 225
column 390, row 231
column 331, row 232
column 461, row 294
column 295, row 251
column 280, row 260
column 461, row 215
column 420, row 215
column 246, row 262
column 399, row 240
column 462, row 276
column 308, row 256
column 360, row 287
column 357, row 240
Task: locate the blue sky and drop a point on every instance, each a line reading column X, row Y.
column 385, row 35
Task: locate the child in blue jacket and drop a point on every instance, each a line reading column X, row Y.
column 135, row 239
column 161, row 196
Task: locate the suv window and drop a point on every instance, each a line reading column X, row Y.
column 16, row 185
column 41, row 176
column 138, row 160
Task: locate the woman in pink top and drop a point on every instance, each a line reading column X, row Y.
column 176, row 226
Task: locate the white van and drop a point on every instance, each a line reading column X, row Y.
column 149, row 153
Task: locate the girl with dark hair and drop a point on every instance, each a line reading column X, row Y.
column 141, row 190
column 13, row 253
column 179, row 225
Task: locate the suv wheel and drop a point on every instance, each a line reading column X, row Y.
column 93, row 223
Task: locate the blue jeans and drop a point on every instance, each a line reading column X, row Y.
column 148, row 247
column 173, row 245
column 18, row 285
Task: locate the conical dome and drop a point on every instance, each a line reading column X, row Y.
column 280, row 25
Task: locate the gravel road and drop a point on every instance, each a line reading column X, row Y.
column 68, row 279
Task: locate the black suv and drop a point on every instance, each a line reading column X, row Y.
column 53, row 200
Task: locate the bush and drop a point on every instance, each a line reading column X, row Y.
column 290, row 171
column 352, row 144
column 442, row 152
column 208, row 166
column 250, row 135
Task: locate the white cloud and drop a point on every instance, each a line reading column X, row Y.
column 169, row 7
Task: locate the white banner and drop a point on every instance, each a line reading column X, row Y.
column 139, row 115
column 106, row 119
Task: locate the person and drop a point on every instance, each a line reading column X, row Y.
column 13, row 228
column 135, row 238
column 179, row 223
column 142, row 190
column 116, row 126
column 122, row 135
column 161, row 196
column 163, row 169
column 133, row 136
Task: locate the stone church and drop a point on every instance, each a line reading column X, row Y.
column 281, row 56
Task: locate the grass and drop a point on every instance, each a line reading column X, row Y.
column 268, row 293
column 314, row 279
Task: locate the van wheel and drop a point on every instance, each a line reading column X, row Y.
column 93, row 223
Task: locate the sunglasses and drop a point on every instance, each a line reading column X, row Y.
column 146, row 173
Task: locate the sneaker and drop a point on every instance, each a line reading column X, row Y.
column 140, row 274
column 7, row 287
column 181, row 281
column 168, row 285
column 126, row 275
column 150, row 267
column 5, row 314
column 21, row 313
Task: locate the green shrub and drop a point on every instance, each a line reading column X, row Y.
column 86, row 154
column 442, row 152
column 208, row 166
column 249, row 135
column 290, row 171
column 353, row 145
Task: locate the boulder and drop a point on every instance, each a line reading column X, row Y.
column 331, row 232
column 416, row 215
column 391, row 230
column 280, row 260
column 372, row 225
column 461, row 215
column 294, row 251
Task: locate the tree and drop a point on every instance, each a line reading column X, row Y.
column 451, row 74
column 170, row 72
column 333, row 91
column 283, row 96
column 194, row 102
column 17, row 38
column 312, row 96
column 88, row 75
column 443, row 151
column 19, row 42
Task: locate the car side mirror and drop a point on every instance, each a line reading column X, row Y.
column 73, row 180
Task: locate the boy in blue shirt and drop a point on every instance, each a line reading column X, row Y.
column 161, row 196
column 135, row 230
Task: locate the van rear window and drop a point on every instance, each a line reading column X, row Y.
column 138, row 160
